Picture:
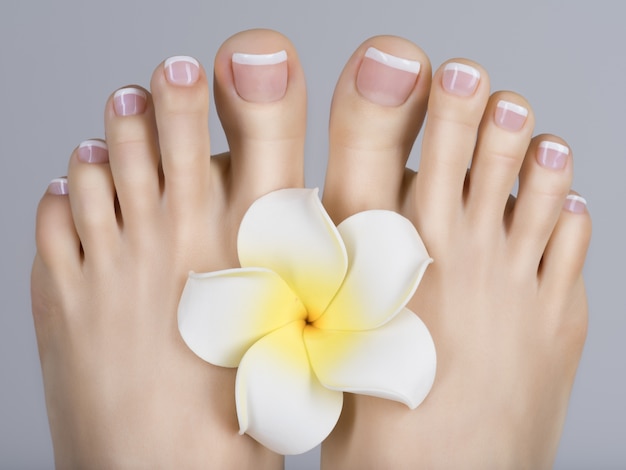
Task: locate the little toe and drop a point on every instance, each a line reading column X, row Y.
column 564, row 256
column 458, row 97
column 133, row 156
column 544, row 183
column 56, row 238
column 377, row 110
column 503, row 139
column 181, row 105
column 260, row 96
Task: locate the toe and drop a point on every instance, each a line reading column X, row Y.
column 181, row 105
column 378, row 108
column 564, row 257
column 57, row 241
column 133, row 157
column 260, row 96
column 458, row 97
column 544, row 182
column 58, row 258
column 92, row 198
column 503, row 139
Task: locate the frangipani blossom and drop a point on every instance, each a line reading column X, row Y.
column 314, row 311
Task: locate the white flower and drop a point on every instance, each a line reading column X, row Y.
column 314, row 311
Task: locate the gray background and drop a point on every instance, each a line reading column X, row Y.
column 60, row 60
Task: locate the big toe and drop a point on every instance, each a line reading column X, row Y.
column 378, row 108
column 260, row 96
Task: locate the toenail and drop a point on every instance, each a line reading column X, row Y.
column 93, row 151
column 575, row 204
column 386, row 79
column 460, row 79
column 260, row 78
column 58, row 187
column 129, row 101
column 510, row 116
column 182, row 70
column 552, row 155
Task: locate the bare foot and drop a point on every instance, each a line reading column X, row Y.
column 117, row 239
column 504, row 299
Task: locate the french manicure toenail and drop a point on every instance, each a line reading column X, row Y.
column 182, row 70
column 260, row 59
column 411, row 66
column 460, row 79
column 93, row 151
column 576, row 204
column 386, row 79
column 58, row 187
column 552, row 155
column 129, row 101
column 510, row 116
column 260, row 78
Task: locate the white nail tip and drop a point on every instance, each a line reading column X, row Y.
column 411, row 66
column 181, row 58
column 130, row 91
column 554, row 146
column 93, row 143
column 458, row 67
column 260, row 59
column 576, row 198
column 62, row 180
column 515, row 108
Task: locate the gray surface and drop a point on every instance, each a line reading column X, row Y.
column 60, row 60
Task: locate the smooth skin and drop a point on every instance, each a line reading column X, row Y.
column 504, row 299
column 122, row 388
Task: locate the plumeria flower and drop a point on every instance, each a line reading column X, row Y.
column 314, row 311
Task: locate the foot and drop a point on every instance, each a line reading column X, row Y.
column 504, row 299
column 116, row 240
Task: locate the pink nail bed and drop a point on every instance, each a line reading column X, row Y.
column 182, row 70
column 93, row 151
column 129, row 101
column 386, row 79
column 260, row 78
column 510, row 116
column 552, row 155
column 460, row 79
column 575, row 204
column 58, row 187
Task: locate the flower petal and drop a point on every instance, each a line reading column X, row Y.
column 289, row 232
column 280, row 402
column 396, row 361
column 387, row 260
column 221, row 314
